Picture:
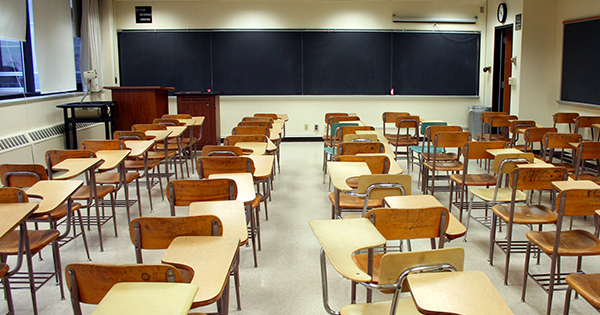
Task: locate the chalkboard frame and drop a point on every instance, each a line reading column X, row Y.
column 381, row 88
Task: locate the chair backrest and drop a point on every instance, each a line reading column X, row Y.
column 177, row 116
column 54, row 157
column 451, row 139
column 577, row 202
column 433, row 129
column 232, row 140
column 426, row 124
column 502, row 120
column 555, row 140
column 360, row 137
column 486, row 116
column 533, row 135
column 167, row 122
column 337, row 119
column 182, row 192
column 159, row 232
column 129, row 135
column 394, row 265
column 22, row 175
column 536, row 177
column 506, row 162
column 221, row 150
column 345, row 129
column 518, row 124
column 264, row 124
column 376, row 185
column 378, row 164
column 586, row 150
column 329, row 115
column 12, row 195
column 407, row 224
column 586, row 122
column 564, row 118
column 208, row 165
column 334, row 127
column 268, row 115
column 263, row 119
column 250, row 130
column 408, row 122
column 145, row 127
column 89, row 282
column 391, row 118
column 353, row 148
column 97, row 145
column 477, row 150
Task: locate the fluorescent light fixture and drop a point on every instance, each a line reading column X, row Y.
column 406, row 19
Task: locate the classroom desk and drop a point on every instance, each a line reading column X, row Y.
column 263, row 166
column 147, row 298
column 230, row 212
column 210, row 258
column 285, row 119
column 138, row 147
column 246, row 194
column 496, row 152
column 177, row 133
column 191, row 124
column 467, row 293
column 112, row 159
column 13, row 214
column 257, row 148
column 339, row 172
column 162, row 136
column 455, row 228
column 575, row 184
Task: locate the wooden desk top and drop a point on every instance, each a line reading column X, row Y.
column 210, row 258
column 395, row 168
column 495, row 152
column 75, row 167
column 198, row 120
column 575, row 184
column 112, row 158
column 159, row 135
column 147, row 298
column 176, row 131
column 245, row 185
column 455, row 227
column 341, row 238
column 284, row 117
column 194, row 122
column 340, row 171
column 258, row 148
column 13, row 214
column 53, row 193
column 378, row 133
column 467, row 293
column 231, row 213
column 138, row 147
column 263, row 165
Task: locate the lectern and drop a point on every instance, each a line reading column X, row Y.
column 205, row 104
column 139, row 104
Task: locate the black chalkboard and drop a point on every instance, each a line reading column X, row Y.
column 347, row 63
column 171, row 59
column 581, row 64
column 309, row 62
column 257, row 63
column 435, row 64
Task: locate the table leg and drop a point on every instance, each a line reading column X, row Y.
column 250, row 216
column 336, row 197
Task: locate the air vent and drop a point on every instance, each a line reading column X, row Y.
column 13, row 142
column 41, row 134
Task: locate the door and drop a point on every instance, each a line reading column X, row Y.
column 503, row 42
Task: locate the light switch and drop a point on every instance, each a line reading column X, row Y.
column 512, row 81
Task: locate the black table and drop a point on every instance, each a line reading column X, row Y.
column 105, row 115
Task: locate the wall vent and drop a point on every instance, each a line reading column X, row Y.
column 45, row 133
column 12, row 142
column 31, row 137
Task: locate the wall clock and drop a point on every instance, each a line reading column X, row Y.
column 502, row 12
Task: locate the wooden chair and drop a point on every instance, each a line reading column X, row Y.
column 189, row 143
column 221, row 150
column 519, row 126
column 559, row 243
column 391, row 118
column 523, row 179
column 185, row 191
column 172, row 150
column 473, row 150
column 357, row 137
column 586, row 285
column 354, row 148
column 167, row 122
column 560, row 142
column 502, row 122
column 565, row 118
column 445, row 140
column 427, row 149
column 378, row 164
column 484, row 118
column 503, row 164
column 587, row 150
column 10, row 245
column 146, row 127
column 232, row 140
column 370, row 191
column 85, row 193
column 89, row 283
column 224, row 164
column 414, row 151
column 26, row 175
column 116, row 179
column 583, row 122
column 532, row 136
column 335, row 137
column 394, row 269
column 401, row 224
column 407, row 134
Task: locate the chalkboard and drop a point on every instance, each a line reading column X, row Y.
column 435, row 64
column 347, row 63
column 581, row 64
column 257, row 63
column 170, row 59
column 303, row 62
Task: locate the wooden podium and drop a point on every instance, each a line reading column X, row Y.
column 205, row 104
column 139, row 104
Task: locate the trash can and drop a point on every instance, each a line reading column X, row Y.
column 475, row 120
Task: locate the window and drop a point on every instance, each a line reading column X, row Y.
column 11, row 68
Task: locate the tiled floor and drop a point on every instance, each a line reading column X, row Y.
column 288, row 277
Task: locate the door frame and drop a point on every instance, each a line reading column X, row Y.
column 503, row 44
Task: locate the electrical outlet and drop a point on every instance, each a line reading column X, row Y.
column 316, row 127
column 305, row 127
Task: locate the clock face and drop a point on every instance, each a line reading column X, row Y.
column 502, row 12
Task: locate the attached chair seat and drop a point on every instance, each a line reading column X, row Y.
column 526, row 214
column 474, row 179
column 439, row 156
column 112, row 178
column 352, row 202
column 59, row 212
column 83, row 193
column 587, row 285
column 445, row 166
column 362, row 262
column 572, row 243
column 38, row 239
column 404, row 306
column 139, row 164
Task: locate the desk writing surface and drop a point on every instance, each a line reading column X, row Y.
column 258, row 148
column 263, row 165
column 210, row 257
column 575, row 184
column 244, row 182
column 13, row 214
column 112, row 158
column 138, row 147
column 378, row 133
column 231, row 213
column 466, row 293
column 53, row 193
column 495, row 152
column 283, row 117
column 147, row 298
column 176, row 131
column 198, row 120
column 74, row 167
column 340, row 171
column 341, row 238
column 159, row 135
